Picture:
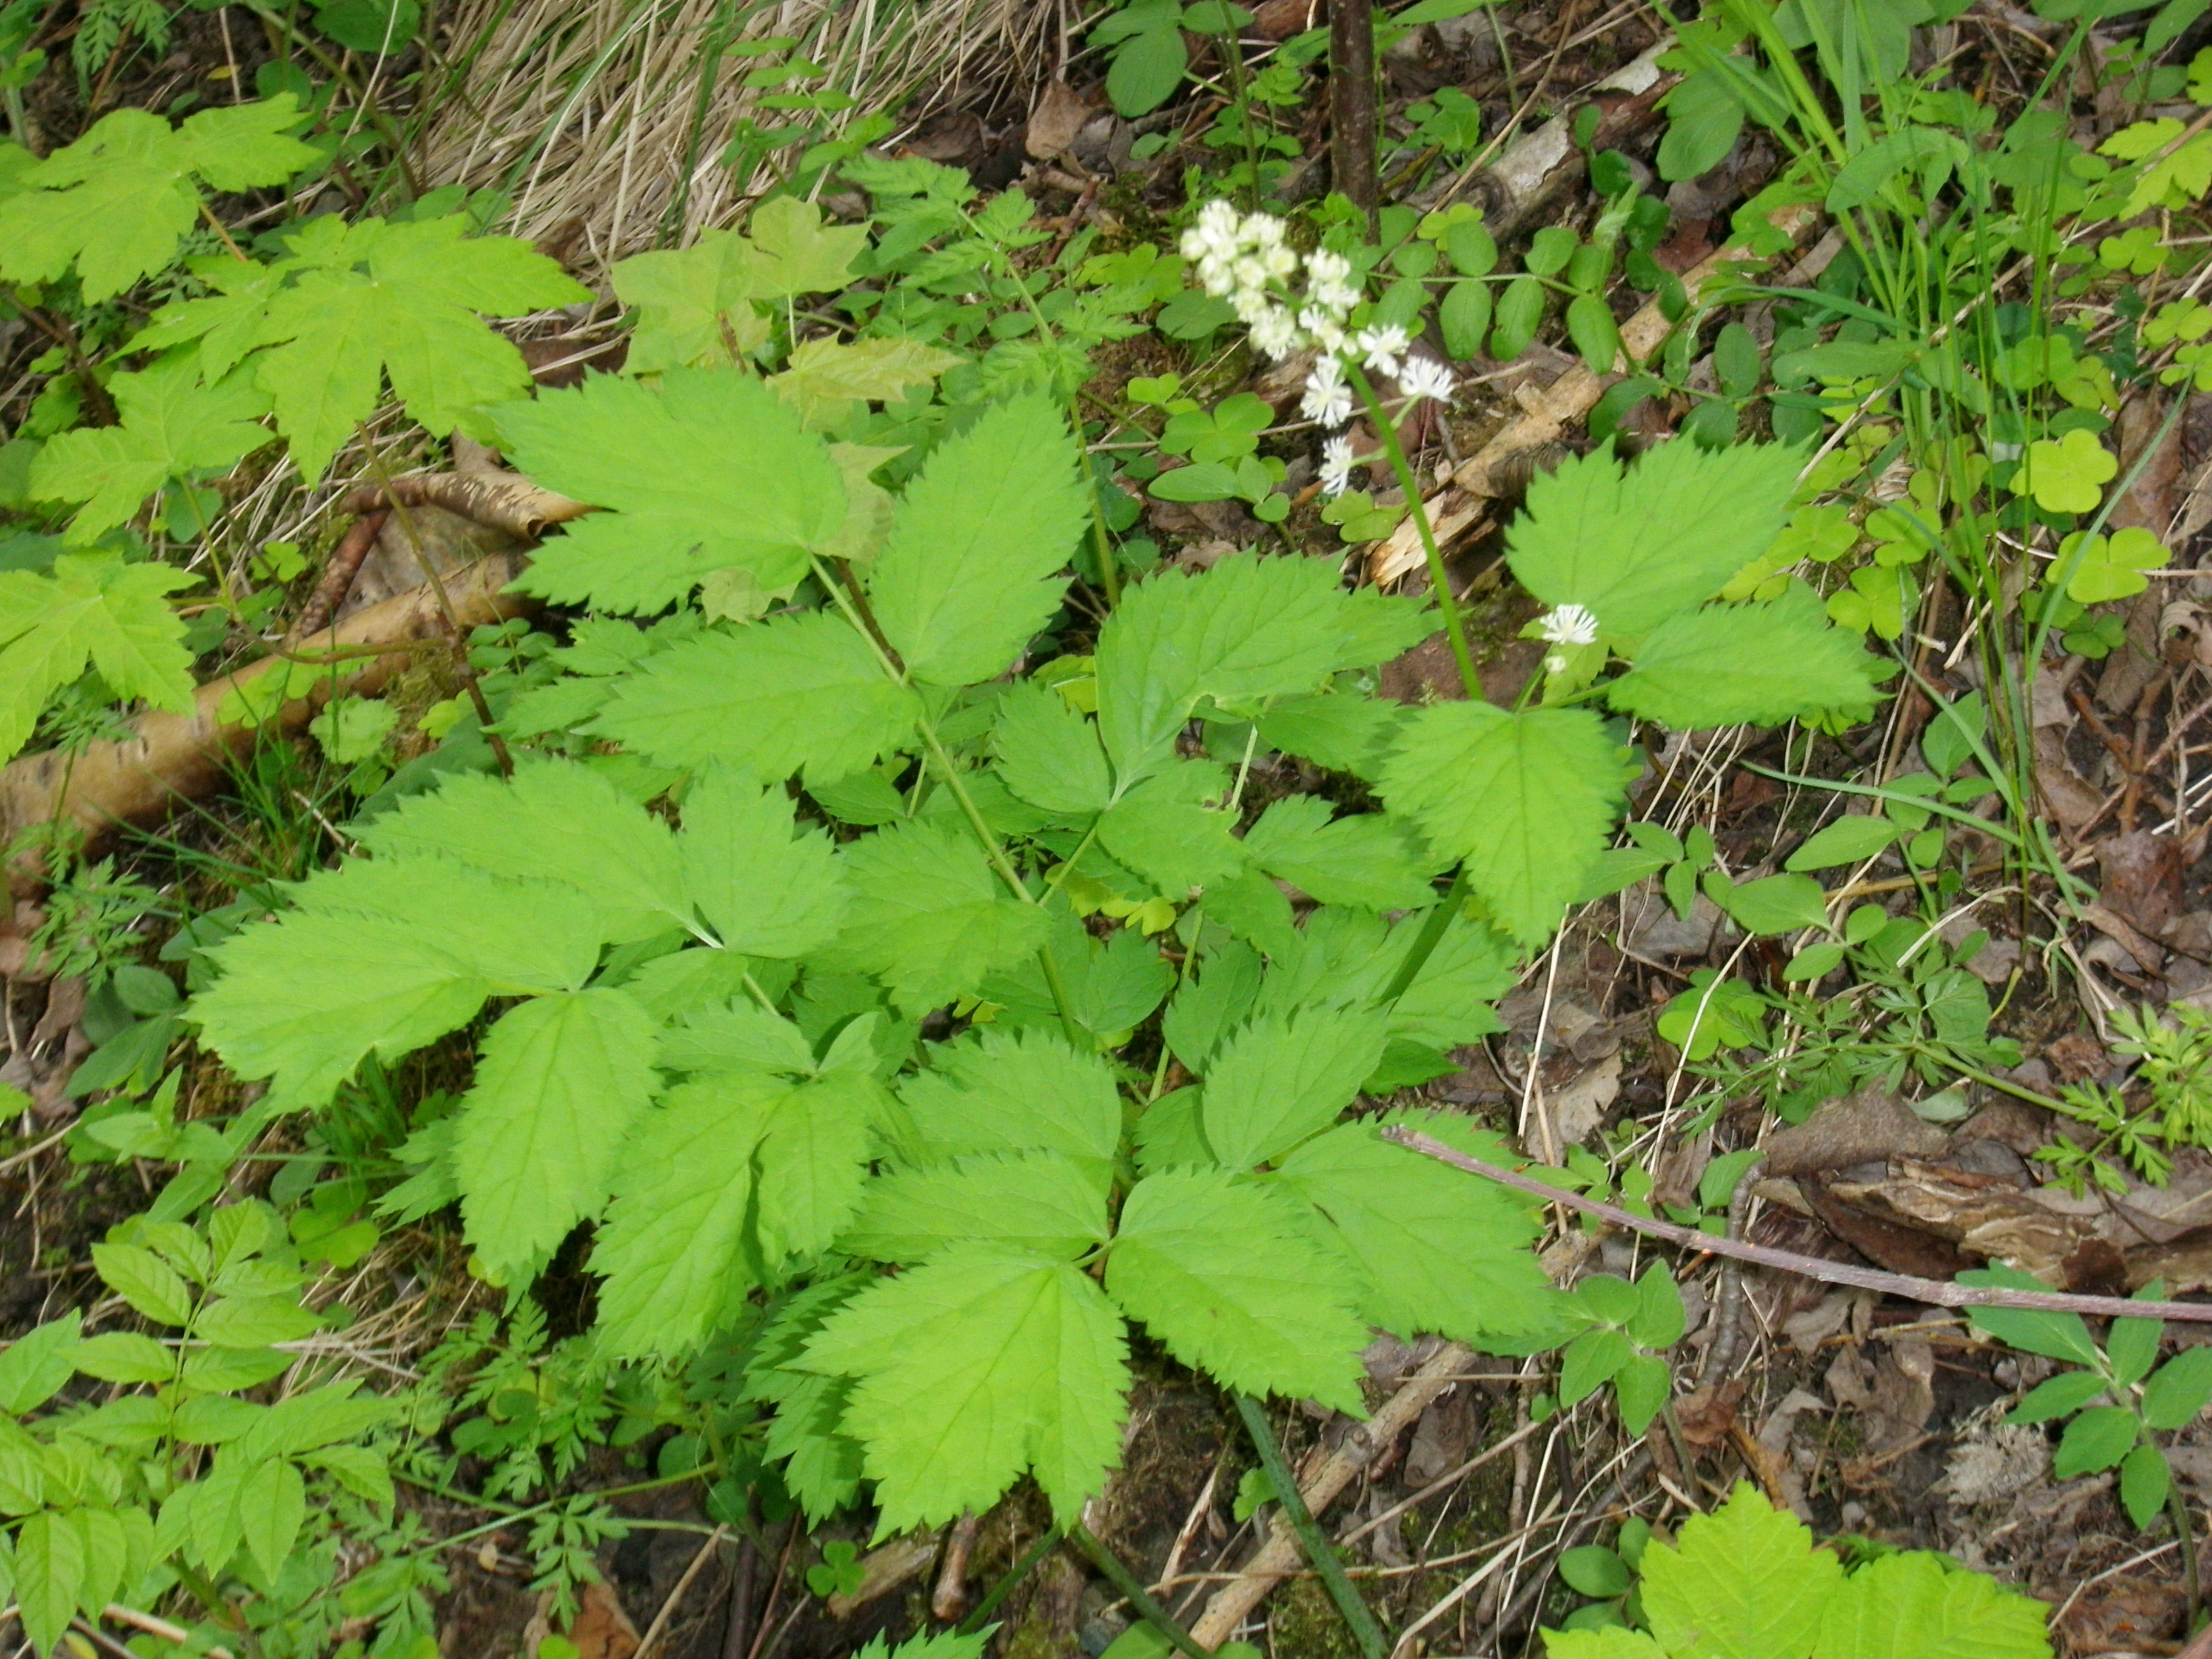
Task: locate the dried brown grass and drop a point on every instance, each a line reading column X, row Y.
column 592, row 115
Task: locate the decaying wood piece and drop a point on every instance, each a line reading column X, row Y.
column 1539, row 166
column 171, row 758
column 1277, row 1559
column 1544, row 417
column 498, row 500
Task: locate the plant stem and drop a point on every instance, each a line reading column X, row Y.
column 1126, row 1581
column 1426, row 942
column 1014, row 1575
column 1318, row 1548
column 1351, row 107
column 1440, row 578
column 2178, row 1509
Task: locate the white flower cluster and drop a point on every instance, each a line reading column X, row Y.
column 1565, row 625
column 1243, row 258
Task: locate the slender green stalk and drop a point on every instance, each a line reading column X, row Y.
column 1440, row 578
column 2184, row 1537
column 1430, row 936
column 1006, row 1586
column 1318, row 1550
column 1126, row 1581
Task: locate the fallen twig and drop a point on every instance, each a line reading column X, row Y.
column 1942, row 1292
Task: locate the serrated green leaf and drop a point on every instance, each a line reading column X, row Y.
column 1248, row 629
column 272, row 1503
column 50, row 1574
column 2053, row 1335
column 33, row 1367
column 1639, row 1389
column 559, row 1080
column 1368, row 859
column 383, row 957
column 1343, row 732
column 2145, row 1480
column 673, row 1248
column 1437, row 1252
column 1613, row 1642
column 1209, row 1006
column 1024, row 1363
column 148, row 1284
column 1635, row 547
column 115, row 204
column 1221, row 1271
column 2058, row 1396
column 927, row 916
column 1048, row 754
column 1163, row 829
column 692, row 304
column 2132, row 1348
column 769, row 888
column 962, row 584
column 825, row 377
column 797, row 253
column 168, row 425
column 711, row 472
column 1742, row 1582
column 1110, row 987
column 1762, row 664
column 792, row 694
column 743, row 1036
column 1910, row 1604
column 810, row 1163
column 1527, row 799
column 126, row 1357
column 1041, row 1203
column 554, row 821
column 94, row 609
column 1279, row 1081
column 373, row 299
column 1028, row 1091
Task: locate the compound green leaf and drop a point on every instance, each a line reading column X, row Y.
column 554, row 821
column 1279, row 1080
column 383, row 957
column 1368, row 859
column 1024, row 1093
column 35, row 1366
column 2054, row 1335
column 1634, row 546
column 692, row 304
column 1610, row 1642
column 672, row 1249
column 115, row 204
column 769, row 888
column 2177, row 1391
column 1764, row 664
column 1743, row 1583
column 810, row 1163
column 1526, row 799
column 1222, row 1272
column 793, row 693
column 743, row 1036
column 710, row 471
column 94, row 609
column 1022, row 1363
column 374, row 298
column 2098, row 1438
column 961, row 585
column 1437, row 1251
column 1247, row 629
column 927, row 917
column 1903, row 1606
column 559, row 1079
column 1342, row 731
column 1042, row 1203
column 1048, row 754
column 1452, row 998
column 169, row 425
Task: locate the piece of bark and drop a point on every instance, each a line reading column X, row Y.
column 174, row 757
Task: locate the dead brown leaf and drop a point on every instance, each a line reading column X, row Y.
column 1060, row 115
column 2142, row 878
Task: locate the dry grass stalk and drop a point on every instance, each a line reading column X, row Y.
column 590, row 115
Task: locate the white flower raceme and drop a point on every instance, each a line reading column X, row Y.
column 1327, row 399
column 1424, row 377
column 1569, row 624
column 1336, row 464
column 1381, row 347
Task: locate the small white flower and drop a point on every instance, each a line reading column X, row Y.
column 1424, row 377
column 1252, row 306
column 1276, row 335
column 1336, row 464
column 1281, row 262
column 1324, row 267
column 1555, row 665
column 1569, row 624
column 1327, row 399
column 1327, row 332
column 1219, row 224
column 1381, row 347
